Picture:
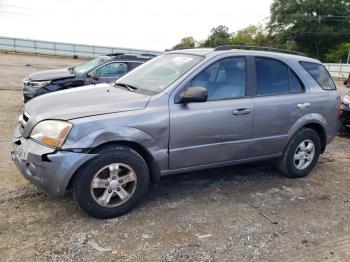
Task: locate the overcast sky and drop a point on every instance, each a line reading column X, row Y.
column 151, row 24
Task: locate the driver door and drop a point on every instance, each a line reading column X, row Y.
column 218, row 130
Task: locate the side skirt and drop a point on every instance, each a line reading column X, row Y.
column 217, row 165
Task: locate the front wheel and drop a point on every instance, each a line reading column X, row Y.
column 301, row 154
column 112, row 183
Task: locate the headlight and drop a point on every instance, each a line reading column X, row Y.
column 51, row 132
column 346, row 99
column 38, row 84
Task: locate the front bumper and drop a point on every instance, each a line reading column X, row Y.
column 45, row 167
column 31, row 92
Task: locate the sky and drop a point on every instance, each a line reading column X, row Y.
column 151, row 24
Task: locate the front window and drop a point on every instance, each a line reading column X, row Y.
column 224, row 79
column 112, row 70
column 86, row 67
column 157, row 74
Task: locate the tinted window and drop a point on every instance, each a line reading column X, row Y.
column 112, row 70
column 295, row 85
column 133, row 65
column 223, row 79
column 272, row 77
column 320, row 74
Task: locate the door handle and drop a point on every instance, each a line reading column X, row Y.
column 303, row 105
column 241, row 111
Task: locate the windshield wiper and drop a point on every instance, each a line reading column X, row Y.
column 129, row 87
column 71, row 69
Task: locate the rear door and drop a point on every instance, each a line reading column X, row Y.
column 219, row 129
column 280, row 101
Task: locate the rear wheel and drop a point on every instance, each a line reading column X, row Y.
column 301, row 154
column 112, row 183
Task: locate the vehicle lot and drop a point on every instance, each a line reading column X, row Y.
column 242, row 213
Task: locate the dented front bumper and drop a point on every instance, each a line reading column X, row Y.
column 45, row 167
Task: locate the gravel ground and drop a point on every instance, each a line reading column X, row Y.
column 241, row 213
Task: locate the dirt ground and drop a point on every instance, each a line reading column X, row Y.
column 241, row 213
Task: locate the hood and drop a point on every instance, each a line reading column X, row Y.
column 81, row 102
column 53, row 74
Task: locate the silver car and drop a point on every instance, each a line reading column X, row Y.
column 182, row 111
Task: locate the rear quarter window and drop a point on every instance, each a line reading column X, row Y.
column 320, row 74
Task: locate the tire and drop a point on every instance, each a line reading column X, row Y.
column 289, row 165
column 113, row 164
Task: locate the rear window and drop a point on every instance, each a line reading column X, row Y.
column 274, row 78
column 320, row 74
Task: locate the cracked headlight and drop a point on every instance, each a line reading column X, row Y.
column 51, row 132
column 38, row 84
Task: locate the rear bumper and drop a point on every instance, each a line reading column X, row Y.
column 44, row 167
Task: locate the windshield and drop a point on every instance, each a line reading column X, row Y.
column 157, row 74
column 83, row 68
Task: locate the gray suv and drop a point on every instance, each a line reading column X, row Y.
column 182, row 111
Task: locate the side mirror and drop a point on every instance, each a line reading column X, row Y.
column 193, row 94
column 94, row 76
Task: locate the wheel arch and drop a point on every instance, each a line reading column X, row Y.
column 317, row 124
column 140, row 149
column 320, row 130
column 153, row 166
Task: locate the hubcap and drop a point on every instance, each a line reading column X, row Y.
column 304, row 154
column 113, row 185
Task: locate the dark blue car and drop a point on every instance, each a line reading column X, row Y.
column 103, row 69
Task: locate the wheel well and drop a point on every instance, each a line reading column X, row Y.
column 144, row 153
column 321, row 132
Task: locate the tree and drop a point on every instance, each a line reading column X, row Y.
column 218, row 36
column 251, row 35
column 186, row 42
column 340, row 53
column 314, row 26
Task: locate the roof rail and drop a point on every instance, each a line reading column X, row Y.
column 124, row 55
column 149, row 55
column 115, row 54
column 258, row 48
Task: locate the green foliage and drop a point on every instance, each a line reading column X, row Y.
column 186, row 42
column 340, row 53
column 320, row 28
column 251, row 35
column 218, row 36
column 313, row 26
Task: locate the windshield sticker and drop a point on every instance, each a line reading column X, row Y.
column 182, row 59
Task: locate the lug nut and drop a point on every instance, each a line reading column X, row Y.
column 109, row 191
column 113, row 177
column 106, row 184
column 118, row 189
column 121, row 181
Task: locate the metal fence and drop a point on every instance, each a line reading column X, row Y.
column 38, row 47
column 338, row 70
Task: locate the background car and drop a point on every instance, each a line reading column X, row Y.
column 103, row 69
